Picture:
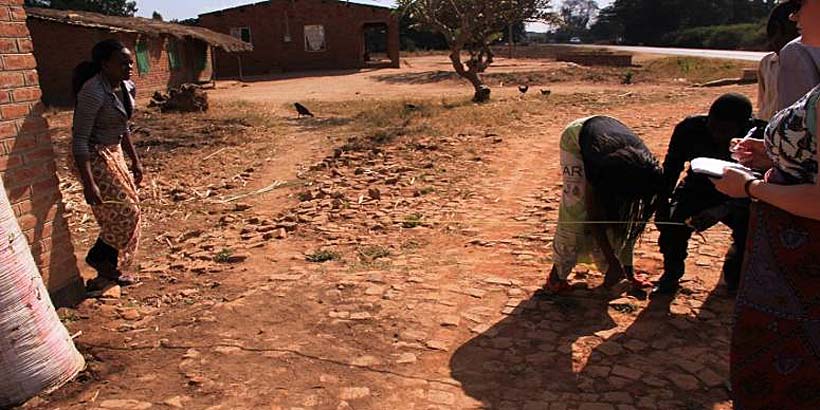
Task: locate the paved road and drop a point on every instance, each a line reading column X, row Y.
column 689, row 52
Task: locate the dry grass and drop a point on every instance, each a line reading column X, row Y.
column 694, row 70
column 664, row 70
column 366, row 124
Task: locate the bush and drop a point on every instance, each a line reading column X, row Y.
column 750, row 36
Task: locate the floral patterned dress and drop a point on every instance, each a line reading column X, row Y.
column 775, row 359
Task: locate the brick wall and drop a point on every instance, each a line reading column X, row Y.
column 61, row 47
column 27, row 159
column 271, row 21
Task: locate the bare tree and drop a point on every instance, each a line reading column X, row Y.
column 472, row 26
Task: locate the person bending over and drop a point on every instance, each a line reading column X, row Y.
column 611, row 181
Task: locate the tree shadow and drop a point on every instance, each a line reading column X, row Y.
column 33, row 190
column 290, row 75
column 426, row 77
column 569, row 350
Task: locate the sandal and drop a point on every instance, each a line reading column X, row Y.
column 97, row 284
column 108, row 271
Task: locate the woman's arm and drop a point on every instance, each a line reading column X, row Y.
column 136, row 164
column 88, row 106
column 598, row 229
column 801, row 200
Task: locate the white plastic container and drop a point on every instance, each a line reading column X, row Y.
column 37, row 354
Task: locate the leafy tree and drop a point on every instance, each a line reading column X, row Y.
column 472, row 26
column 519, row 32
column 156, row 16
column 416, row 37
column 187, row 22
column 650, row 21
column 607, row 26
column 577, row 14
column 109, row 7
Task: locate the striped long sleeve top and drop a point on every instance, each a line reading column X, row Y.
column 100, row 117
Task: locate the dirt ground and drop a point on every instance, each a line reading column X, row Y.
column 384, row 255
column 432, row 76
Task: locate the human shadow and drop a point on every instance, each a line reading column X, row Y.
column 527, row 358
column 33, row 189
column 568, row 350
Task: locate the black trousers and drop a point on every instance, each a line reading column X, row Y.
column 693, row 197
column 102, row 252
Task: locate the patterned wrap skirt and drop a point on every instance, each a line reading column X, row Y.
column 119, row 215
column 775, row 354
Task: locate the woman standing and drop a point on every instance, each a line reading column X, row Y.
column 105, row 103
column 775, row 359
column 611, row 185
column 780, row 30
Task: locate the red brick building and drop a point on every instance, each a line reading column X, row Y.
column 291, row 35
column 166, row 54
column 27, row 159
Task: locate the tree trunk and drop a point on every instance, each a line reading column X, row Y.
column 511, row 40
column 482, row 92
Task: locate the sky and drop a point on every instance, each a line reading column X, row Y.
column 183, row 9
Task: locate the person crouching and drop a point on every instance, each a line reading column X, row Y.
column 611, row 180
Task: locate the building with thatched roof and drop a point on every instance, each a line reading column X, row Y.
column 295, row 35
column 166, row 54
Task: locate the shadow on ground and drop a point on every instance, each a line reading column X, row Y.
column 425, row 77
column 569, row 351
column 306, row 74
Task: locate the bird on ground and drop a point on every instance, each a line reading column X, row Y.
column 302, row 110
column 523, row 89
column 546, row 93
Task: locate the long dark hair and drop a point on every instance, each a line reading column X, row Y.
column 780, row 20
column 102, row 52
column 624, row 175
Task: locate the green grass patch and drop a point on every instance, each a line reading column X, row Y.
column 693, row 69
column 412, row 221
column 322, row 256
column 373, row 252
column 223, row 256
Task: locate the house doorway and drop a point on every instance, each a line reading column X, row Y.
column 375, row 44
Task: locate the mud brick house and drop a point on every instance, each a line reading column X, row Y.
column 293, row 35
column 166, row 54
column 27, row 159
